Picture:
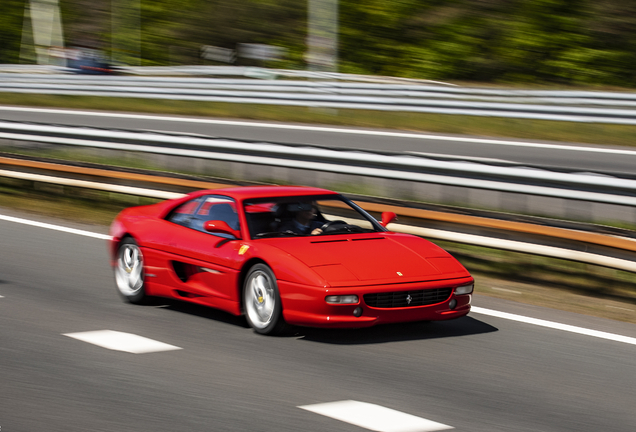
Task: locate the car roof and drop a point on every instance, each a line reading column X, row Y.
column 252, row 192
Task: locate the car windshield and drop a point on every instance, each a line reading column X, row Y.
column 306, row 216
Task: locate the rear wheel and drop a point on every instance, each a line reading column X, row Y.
column 261, row 299
column 129, row 272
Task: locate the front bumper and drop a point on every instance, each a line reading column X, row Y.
column 306, row 305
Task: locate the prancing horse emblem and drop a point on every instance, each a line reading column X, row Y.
column 409, row 299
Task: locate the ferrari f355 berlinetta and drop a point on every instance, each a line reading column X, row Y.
column 285, row 255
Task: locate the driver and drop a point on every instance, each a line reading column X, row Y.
column 304, row 221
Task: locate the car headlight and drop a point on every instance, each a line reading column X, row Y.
column 342, row 299
column 466, row 289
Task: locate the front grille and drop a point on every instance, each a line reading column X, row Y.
column 400, row 299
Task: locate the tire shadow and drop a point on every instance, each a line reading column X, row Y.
column 198, row 310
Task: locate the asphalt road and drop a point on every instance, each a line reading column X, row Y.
column 577, row 156
column 478, row 374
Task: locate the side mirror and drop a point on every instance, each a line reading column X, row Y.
column 217, row 226
column 387, row 218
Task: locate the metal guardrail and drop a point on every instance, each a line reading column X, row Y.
column 609, row 251
column 220, row 71
column 341, row 91
column 605, row 188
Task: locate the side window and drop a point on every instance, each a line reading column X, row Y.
column 184, row 214
column 215, row 207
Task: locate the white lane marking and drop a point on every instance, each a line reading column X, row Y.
column 374, row 417
column 505, row 290
column 55, row 227
column 327, row 129
column 119, row 341
column 555, row 325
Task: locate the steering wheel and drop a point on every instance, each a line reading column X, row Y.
column 330, row 224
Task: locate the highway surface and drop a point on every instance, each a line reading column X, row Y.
column 577, row 156
column 207, row 371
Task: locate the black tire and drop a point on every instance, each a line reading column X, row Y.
column 261, row 301
column 129, row 272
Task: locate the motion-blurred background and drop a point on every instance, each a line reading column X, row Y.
column 566, row 42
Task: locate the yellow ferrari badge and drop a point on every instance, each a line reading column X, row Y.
column 243, row 249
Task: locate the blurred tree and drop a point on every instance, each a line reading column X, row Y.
column 476, row 40
column 11, row 17
column 611, row 57
column 86, row 23
column 226, row 23
column 542, row 41
column 375, row 36
column 513, row 41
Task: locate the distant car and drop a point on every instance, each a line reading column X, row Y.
column 240, row 250
column 89, row 61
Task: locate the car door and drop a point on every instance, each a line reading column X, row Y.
column 204, row 264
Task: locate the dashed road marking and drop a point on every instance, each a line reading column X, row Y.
column 120, row 341
column 374, row 417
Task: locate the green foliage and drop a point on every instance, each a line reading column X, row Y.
column 11, row 16
column 566, row 42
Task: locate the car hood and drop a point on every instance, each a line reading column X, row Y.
column 382, row 258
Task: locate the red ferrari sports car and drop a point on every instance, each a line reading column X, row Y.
column 285, row 255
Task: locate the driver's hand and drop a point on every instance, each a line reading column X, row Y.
column 316, row 231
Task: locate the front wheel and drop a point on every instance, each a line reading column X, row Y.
column 129, row 272
column 263, row 308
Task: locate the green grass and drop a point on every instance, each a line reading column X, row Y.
column 71, row 154
column 592, row 133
